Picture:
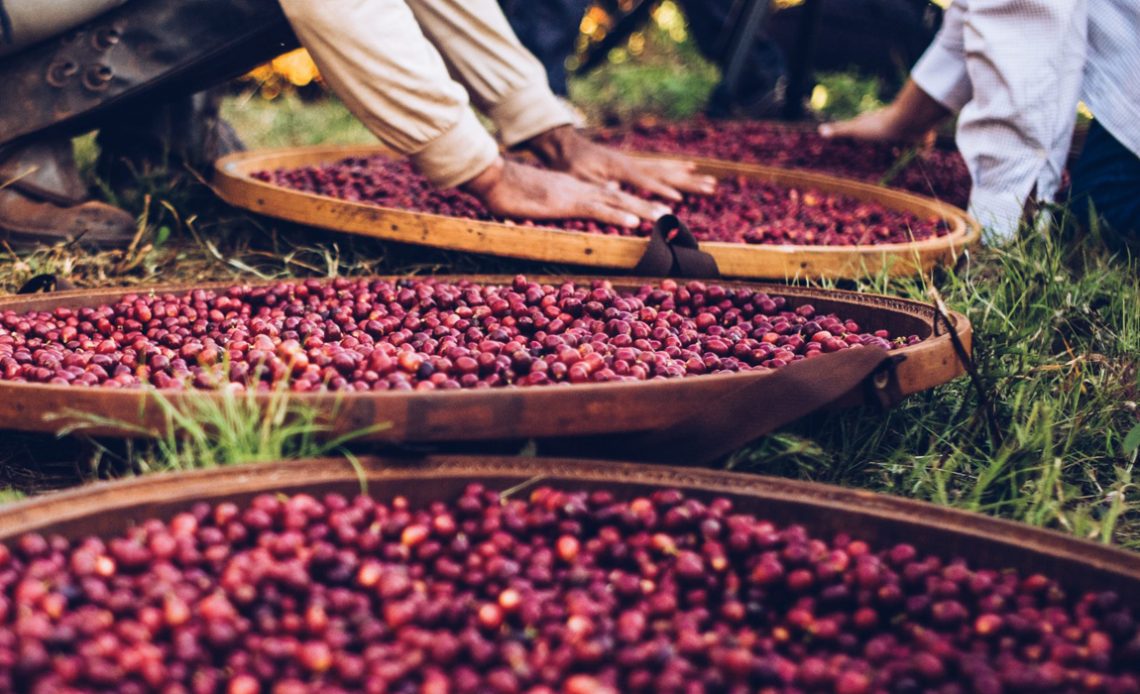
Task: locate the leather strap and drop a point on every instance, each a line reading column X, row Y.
column 673, row 251
column 758, row 407
column 985, row 401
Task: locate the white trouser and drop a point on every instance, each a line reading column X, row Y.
column 398, row 65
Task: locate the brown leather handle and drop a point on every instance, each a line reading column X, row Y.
column 718, row 427
column 673, row 251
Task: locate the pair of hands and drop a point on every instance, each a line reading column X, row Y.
column 584, row 180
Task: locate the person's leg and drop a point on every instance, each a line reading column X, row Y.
column 131, row 57
column 548, row 29
column 1106, row 177
column 760, row 90
column 187, row 131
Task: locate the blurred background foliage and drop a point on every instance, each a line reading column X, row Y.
column 658, row 71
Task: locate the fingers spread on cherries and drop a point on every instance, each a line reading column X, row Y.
column 742, row 210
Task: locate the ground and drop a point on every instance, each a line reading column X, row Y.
column 1055, row 313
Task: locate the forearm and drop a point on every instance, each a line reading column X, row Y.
column 375, row 57
column 914, row 112
column 505, row 80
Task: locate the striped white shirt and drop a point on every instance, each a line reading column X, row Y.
column 1014, row 71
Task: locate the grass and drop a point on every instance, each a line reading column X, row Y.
column 1057, row 334
column 673, row 82
column 230, row 429
column 292, row 122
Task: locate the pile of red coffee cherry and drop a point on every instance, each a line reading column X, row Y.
column 422, row 334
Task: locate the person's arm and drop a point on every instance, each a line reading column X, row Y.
column 938, row 86
column 375, row 57
column 1013, row 70
column 911, row 115
column 941, row 71
column 504, row 79
column 510, row 85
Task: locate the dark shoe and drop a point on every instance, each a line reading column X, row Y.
column 44, row 169
column 26, row 222
column 43, row 200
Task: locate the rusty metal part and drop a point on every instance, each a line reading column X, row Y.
column 145, row 50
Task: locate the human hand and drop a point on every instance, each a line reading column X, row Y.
column 881, row 125
column 564, row 149
column 911, row 116
column 510, row 189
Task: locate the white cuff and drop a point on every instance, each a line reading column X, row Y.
column 941, row 73
column 527, row 112
column 458, row 155
column 998, row 211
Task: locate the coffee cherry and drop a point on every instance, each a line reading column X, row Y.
column 742, row 210
column 934, row 172
column 426, row 334
column 562, row 591
column 567, row 548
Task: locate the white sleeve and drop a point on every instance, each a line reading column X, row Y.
column 375, row 57
column 941, row 71
column 1024, row 60
column 505, row 80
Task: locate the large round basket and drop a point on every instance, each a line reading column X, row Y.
column 479, row 414
column 236, row 184
column 109, row 508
